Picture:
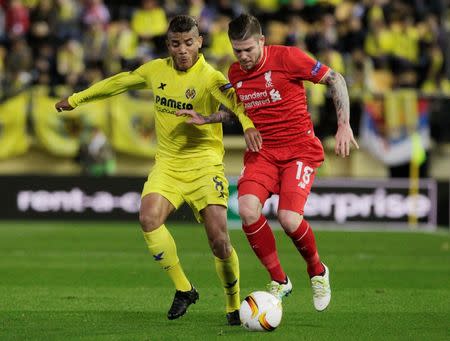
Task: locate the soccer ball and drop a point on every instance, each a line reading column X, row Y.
column 260, row 311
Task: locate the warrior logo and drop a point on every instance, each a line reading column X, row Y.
column 275, row 95
column 190, row 93
column 238, row 84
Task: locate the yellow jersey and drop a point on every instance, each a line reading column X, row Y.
column 181, row 146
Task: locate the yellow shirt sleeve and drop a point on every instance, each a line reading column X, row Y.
column 109, row 87
column 223, row 92
column 245, row 121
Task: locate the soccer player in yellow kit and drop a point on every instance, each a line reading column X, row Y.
column 189, row 159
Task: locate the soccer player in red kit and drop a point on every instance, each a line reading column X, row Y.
column 269, row 82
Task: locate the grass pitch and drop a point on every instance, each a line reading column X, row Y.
column 96, row 281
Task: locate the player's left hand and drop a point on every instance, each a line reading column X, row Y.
column 63, row 105
column 195, row 117
column 253, row 139
column 344, row 137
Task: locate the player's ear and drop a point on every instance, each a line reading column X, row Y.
column 200, row 41
column 262, row 40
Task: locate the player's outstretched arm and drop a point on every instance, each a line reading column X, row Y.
column 198, row 119
column 252, row 136
column 338, row 89
column 106, row 88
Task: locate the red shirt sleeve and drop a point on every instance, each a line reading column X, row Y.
column 301, row 66
column 232, row 72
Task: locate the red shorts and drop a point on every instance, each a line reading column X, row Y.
column 287, row 171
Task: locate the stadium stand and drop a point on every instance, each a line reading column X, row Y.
column 50, row 48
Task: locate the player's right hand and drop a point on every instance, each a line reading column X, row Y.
column 344, row 138
column 63, row 105
column 253, row 139
column 195, row 117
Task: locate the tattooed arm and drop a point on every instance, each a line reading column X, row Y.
column 338, row 90
column 220, row 116
column 252, row 136
column 339, row 93
column 223, row 115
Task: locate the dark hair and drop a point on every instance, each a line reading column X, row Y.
column 182, row 23
column 244, row 27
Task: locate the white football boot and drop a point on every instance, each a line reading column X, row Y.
column 321, row 290
column 280, row 290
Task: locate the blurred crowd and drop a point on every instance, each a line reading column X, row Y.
column 377, row 44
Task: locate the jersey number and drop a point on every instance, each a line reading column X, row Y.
column 303, row 174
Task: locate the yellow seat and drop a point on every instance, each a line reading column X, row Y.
column 382, row 80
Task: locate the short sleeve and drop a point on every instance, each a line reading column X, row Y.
column 302, row 66
column 231, row 73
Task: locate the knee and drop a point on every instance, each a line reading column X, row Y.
column 248, row 213
column 221, row 247
column 290, row 221
column 150, row 220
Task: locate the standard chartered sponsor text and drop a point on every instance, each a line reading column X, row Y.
column 255, row 99
column 253, row 104
column 253, row 95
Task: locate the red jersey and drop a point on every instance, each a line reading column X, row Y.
column 274, row 96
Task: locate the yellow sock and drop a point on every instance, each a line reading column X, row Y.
column 228, row 272
column 164, row 251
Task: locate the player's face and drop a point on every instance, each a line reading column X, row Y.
column 248, row 52
column 183, row 48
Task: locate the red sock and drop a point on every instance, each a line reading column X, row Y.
column 262, row 241
column 305, row 243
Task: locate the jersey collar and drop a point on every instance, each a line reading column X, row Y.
column 200, row 61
